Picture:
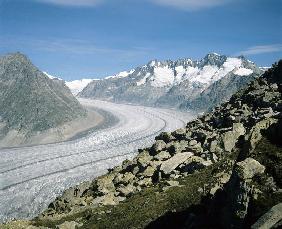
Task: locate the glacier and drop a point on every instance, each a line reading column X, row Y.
column 32, row 177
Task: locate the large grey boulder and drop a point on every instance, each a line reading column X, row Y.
column 269, row 219
column 239, row 192
column 105, row 184
column 230, row 138
column 163, row 155
column 108, row 199
column 248, row 168
column 126, row 190
column 169, row 165
column 255, row 135
column 158, row 146
column 148, row 172
column 143, row 159
column 123, row 178
column 193, row 163
column 69, row 225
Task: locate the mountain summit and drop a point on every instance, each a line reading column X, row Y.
column 30, row 101
column 175, row 83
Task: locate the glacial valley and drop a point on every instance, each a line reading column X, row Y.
column 32, row 177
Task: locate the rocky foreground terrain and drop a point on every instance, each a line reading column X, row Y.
column 224, row 170
column 30, row 101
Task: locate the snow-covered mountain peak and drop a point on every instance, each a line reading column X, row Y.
column 121, row 74
column 77, row 86
column 170, row 82
column 167, row 73
column 153, row 63
column 205, row 71
column 213, row 59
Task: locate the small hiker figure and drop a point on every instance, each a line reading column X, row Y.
column 76, row 192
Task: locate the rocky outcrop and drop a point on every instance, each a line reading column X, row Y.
column 239, row 191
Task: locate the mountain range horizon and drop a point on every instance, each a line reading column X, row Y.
column 102, row 76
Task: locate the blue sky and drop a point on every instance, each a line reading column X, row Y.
column 95, row 38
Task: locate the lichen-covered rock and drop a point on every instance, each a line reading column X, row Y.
column 269, row 219
column 163, row 155
column 230, row 138
column 148, row 172
column 166, row 137
column 158, row 146
column 143, row 159
column 248, row 168
column 178, row 147
column 196, row 148
column 192, row 142
column 213, row 146
column 239, row 192
column 169, row 165
column 145, row 182
column 105, row 184
column 255, row 135
column 193, row 163
column 108, row 199
column 123, row 178
column 69, row 225
column 180, row 134
column 126, row 190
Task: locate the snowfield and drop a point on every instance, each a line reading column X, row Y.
column 32, row 177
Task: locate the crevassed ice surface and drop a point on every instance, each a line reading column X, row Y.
column 32, row 177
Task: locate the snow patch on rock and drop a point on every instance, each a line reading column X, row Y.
column 243, row 72
column 52, row 77
column 143, row 81
column 231, row 63
column 163, row 77
column 205, row 75
column 121, row 74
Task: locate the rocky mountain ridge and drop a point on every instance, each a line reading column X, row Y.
column 30, row 101
column 175, row 83
column 222, row 171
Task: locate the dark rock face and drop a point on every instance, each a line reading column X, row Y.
column 30, row 101
column 274, row 74
column 218, row 92
column 183, row 84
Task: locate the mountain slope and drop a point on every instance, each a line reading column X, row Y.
column 30, row 101
column 218, row 92
column 173, row 83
